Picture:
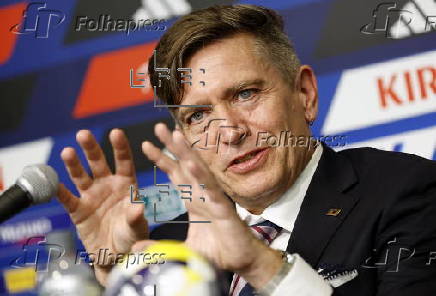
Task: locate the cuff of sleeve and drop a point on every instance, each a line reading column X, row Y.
column 302, row 280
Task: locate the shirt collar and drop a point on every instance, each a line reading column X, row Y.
column 284, row 211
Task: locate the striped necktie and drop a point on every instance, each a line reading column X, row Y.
column 267, row 232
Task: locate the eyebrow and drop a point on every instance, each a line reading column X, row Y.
column 185, row 109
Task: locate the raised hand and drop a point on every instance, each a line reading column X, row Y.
column 104, row 216
column 226, row 240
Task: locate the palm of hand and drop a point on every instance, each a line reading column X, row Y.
column 103, row 215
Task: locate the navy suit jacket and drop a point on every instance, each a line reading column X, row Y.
column 367, row 223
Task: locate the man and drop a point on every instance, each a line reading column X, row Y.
column 357, row 222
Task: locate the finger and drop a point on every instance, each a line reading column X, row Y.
column 96, row 159
column 193, row 164
column 161, row 160
column 136, row 219
column 201, row 175
column 166, row 137
column 183, row 148
column 190, row 158
column 75, row 169
column 168, row 165
column 67, row 199
column 124, row 164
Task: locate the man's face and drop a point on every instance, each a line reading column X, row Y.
column 249, row 100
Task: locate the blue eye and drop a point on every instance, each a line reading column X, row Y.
column 196, row 116
column 245, row 94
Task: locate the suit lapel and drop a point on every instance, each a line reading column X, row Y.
column 314, row 228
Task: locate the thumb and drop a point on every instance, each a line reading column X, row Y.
column 135, row 219
column 67, row 199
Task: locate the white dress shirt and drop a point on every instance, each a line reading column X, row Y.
column 302, row 279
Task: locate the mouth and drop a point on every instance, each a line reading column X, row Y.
column 248, row 161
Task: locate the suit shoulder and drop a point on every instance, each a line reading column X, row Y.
column 401, row 168
column 380, row 158
column 398, row 189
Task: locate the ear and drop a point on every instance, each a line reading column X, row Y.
column 307, row 89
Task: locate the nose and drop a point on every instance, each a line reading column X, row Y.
column 231, row 134
column 229, row 128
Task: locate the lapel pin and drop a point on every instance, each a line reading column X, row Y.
column 333, row 212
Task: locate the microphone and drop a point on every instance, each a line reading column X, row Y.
column 36, row 185
column 65, row 276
